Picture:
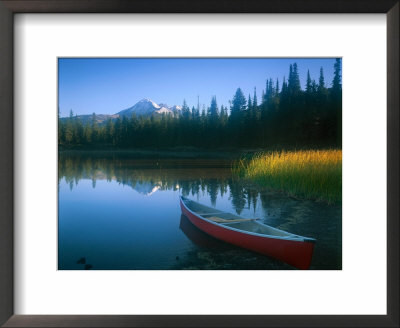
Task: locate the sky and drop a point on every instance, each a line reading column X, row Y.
column 109, row 85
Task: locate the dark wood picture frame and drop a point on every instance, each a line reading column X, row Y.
column 7, row 10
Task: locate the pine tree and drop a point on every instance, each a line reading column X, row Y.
column 337, row 79
column 284, row 84
column 336, row 102
column 238, row 102
column 194, row 113
column 223, row 119
column 185, row 110
column 271, row 89
column 284, row 96
column 296, row 79
column 284, row 87
column 308, row 83
column 224, row 112
column 321, row 85
column 290, row 79
column 213, row 109
column 314, row 86
column 203, row 111
column 254, row 99
column 267, row 91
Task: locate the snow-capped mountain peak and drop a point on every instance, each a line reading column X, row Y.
column 148, row 107
column 146, row 101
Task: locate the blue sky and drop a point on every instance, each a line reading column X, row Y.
column 109, row 85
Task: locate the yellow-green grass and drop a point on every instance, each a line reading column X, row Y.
column 310, row 174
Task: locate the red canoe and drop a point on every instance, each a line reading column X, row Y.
column 250, row 234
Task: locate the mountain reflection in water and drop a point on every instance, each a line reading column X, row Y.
column 147, row 177
column 123, row 213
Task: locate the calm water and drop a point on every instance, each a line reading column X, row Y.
column 123, row 214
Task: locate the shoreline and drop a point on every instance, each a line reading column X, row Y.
column 182, row 152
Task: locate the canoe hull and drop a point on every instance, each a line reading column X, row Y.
column 295, row 253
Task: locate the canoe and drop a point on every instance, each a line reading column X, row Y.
column 250, row 234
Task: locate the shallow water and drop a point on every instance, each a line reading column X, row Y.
column 123, row 214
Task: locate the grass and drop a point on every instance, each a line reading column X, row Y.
column 309, row 174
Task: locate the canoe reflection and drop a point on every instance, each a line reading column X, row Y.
column 198, row 237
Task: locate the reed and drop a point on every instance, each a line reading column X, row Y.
column 310, row 174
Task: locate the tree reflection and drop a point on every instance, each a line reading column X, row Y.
column 149, row 176
column 212, row 189
column 238, row 197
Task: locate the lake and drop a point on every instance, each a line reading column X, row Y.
column 122, row 213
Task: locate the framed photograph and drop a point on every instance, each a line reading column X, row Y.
column 194, row 165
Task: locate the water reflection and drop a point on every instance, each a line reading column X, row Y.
column 148, row 177
column 122, row 213
column 197, row 236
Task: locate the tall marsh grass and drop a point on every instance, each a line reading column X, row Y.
column 311, row 174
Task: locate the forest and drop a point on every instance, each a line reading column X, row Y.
column 285, row 116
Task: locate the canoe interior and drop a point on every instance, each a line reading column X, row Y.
column 250, row 226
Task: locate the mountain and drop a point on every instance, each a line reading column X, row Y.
column 149, row 107
column 145, row 107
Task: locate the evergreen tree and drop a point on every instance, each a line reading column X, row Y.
column 267, row 91
column 284, row 86
column 295, row 79
column 194, row 113
column 336, row 102
column 238, row 103
column 290, row 79
column 321, row 85
column 213, row 110
column 198, row 107
column 284, row 96
column 271, row 89
column 185, row 110
column 314, row 87
column 203, row 111
column 337, row 80
column 308, row 83
column 254, row 99
column 224, row 113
